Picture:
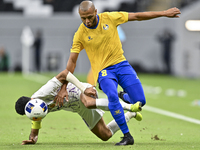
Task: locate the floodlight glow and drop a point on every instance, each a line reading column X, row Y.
column 192, row 25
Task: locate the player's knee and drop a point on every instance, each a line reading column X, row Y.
column 85, row 102
column 113, row 97
column 142, row 99
column 143, row 102
column 106, row 137
column 88, row 105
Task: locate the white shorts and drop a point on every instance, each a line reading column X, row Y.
column 90, row 116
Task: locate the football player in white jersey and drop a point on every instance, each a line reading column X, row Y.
column 77, row 102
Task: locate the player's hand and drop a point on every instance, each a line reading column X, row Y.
column 90, row 91
column 60, row 97
column 33, row 140
column 172, row 13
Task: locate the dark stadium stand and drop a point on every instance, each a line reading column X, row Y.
column 62, row 5
column 7, row 7
column 68, row 5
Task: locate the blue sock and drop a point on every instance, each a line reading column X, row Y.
column 109, row 87
column 127, row 98
column 118, row 114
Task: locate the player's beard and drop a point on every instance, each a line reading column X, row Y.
column 94, row 22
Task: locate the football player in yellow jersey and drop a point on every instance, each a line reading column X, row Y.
column 122, row 38
column 99, row 37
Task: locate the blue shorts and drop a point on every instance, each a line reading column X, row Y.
column 122, row 73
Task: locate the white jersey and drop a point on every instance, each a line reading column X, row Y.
column 49, row 91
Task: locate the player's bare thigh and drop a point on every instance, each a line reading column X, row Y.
column 101, row 130
column 89, row 102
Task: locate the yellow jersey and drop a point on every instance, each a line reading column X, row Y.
column 101, row 43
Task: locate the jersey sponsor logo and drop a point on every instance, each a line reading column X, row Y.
column 105, row 27
column 117, row 112
column 89, row 38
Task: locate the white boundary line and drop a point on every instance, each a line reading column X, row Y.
column 171, row 114
column 36, row 78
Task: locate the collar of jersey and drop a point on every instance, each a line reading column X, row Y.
column 96, row 25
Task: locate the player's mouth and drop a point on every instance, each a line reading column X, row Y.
column 88, row 25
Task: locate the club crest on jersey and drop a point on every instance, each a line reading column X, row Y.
column 89, row 38
column 105, row 27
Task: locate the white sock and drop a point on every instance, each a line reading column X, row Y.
column 129, row 115
column 125, row 106
column 102, row 104
column 113, row 125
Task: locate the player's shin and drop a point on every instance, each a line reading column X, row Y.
column 113, row 125
column 118, row 114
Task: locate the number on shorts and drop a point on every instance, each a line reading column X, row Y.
column 104, row 73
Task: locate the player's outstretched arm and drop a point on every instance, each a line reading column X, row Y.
column 88, row 91
column 171, row 13
column 64, row 76
column 32, row 138
column 71, row 64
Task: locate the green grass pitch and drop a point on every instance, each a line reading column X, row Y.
column 66, row 130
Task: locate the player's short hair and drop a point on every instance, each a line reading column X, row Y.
column 20, row 104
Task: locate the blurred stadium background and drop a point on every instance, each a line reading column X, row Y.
column 175, row 98
column 58, row 20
